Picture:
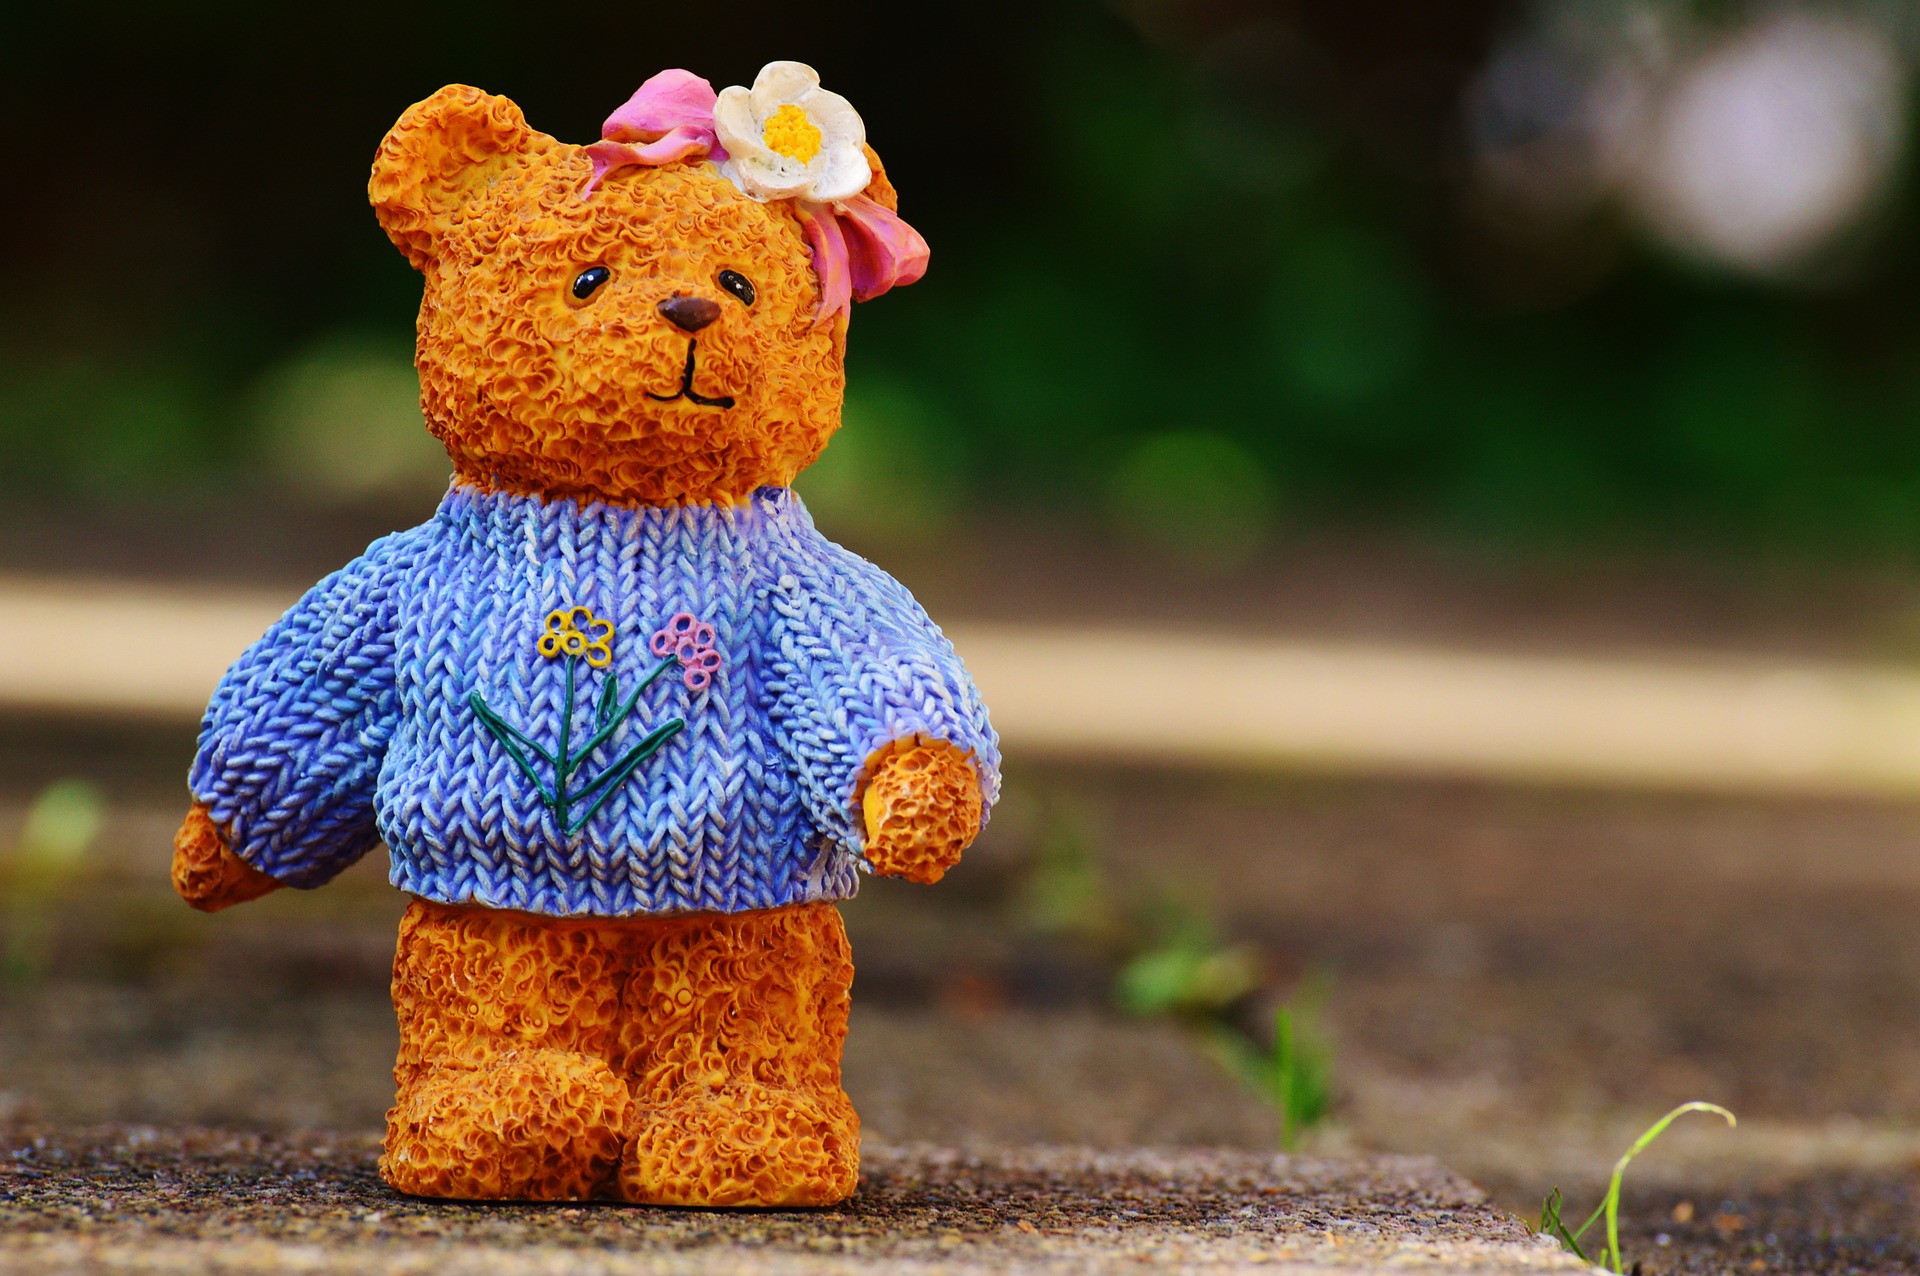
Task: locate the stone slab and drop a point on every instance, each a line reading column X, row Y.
column 138, row 1200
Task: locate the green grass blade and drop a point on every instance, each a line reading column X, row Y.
column 1286, row 1065
column 1610, row 1258
column 1551, row 1224
column 610, row 721
column 501, row 728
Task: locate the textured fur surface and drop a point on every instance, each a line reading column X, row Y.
column 690, row 1060
column 683, row 1057
column 921, row 808
column 206, row 873
column 534, row 390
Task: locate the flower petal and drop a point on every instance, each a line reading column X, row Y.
column 839, row 172
column 882, row 250
column 779, row 83
column 670, row 100
column 834, row 116
column 766, row 177
column 830, row 262
column 734, row 123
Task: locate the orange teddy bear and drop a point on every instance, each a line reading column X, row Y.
column 627, row 724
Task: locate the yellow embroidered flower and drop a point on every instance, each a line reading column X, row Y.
column 576, row 631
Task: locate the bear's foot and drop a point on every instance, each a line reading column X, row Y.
column 531, row 1125
column 744, row 1145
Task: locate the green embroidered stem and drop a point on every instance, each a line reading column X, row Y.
column 609, row 713
column 612, row 722
column 567, row 761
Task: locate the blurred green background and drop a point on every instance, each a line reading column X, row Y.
column 1569, row 274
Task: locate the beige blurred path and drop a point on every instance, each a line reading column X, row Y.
column 1699, row 722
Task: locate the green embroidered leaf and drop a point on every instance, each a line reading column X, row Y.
column 616, row 775
column 511, row 738
column 609, row 697
column 608, row 715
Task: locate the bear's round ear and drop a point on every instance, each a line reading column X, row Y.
column 879, row 189
column 442, row 152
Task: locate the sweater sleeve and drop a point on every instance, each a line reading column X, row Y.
column 857, row 664
column 292, row 743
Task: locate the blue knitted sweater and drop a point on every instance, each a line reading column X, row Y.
column 359, row 717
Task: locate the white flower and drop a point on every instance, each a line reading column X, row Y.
column 787, row 137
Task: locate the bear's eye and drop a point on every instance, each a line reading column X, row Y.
column 737, row 284
column 588, row 281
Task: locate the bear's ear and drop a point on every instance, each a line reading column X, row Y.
column 442, row 152
column 879, row 189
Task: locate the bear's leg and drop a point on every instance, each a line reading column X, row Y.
column 506, row 1026
column 730, row 1038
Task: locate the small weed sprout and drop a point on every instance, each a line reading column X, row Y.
column 1170, row 961
column 1188, row 972
column 60, row 828
column 1192, row 976
column 1553, row 1224
column 1296, row 1074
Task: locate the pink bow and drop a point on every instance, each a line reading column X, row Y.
column 670, row 117
column 860, row 247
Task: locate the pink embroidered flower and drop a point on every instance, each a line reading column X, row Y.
column 690, row 641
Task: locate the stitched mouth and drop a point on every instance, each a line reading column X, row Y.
column 686, row 390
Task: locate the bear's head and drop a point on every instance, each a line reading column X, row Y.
column 642, row 320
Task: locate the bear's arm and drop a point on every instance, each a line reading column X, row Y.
column 887, row 736
column 206, row 873
column 921, row 806
column 293, row 740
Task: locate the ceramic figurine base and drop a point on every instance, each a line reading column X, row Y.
column 626, row 722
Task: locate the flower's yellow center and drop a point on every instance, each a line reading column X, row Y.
column 790, row 133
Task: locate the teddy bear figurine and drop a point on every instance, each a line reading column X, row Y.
column 626, row 722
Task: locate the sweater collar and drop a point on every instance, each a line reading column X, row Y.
column 466, row 504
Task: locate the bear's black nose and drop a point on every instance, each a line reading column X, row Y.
column 690, row 314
